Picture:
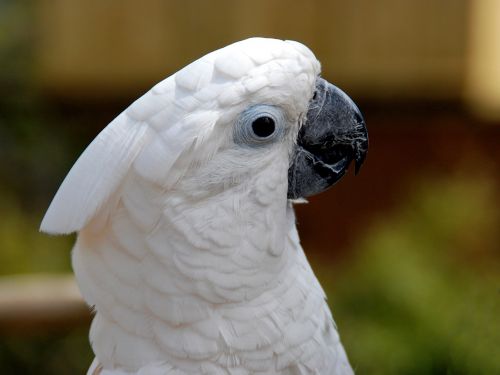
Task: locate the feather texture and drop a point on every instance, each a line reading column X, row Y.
column 95, row 176
column 187, row 245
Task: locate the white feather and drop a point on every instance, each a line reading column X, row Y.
column 187, row 244
column 95, row 176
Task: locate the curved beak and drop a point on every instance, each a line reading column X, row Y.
column 333, row 136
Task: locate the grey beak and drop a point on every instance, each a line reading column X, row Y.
column 333, row 135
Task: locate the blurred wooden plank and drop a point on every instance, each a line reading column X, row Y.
column 411, row 48
column 483, row 73
column 40, row 303
column 394, row 48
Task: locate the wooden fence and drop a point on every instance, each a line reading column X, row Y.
column 40, row 303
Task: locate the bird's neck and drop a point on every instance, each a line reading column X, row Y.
column 199, row 281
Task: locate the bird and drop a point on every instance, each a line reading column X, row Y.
column 187, row 248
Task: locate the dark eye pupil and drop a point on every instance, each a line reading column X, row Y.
column 263, row 126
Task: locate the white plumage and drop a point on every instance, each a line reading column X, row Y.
column 187, row 245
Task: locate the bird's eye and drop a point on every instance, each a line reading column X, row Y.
column 259, row 125
column 263, row 126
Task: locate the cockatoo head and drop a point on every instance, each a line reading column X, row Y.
column 262, row 112
column 253, row 114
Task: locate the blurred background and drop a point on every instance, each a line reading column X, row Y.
column 408, row 251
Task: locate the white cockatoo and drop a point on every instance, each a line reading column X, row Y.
column 187, row 247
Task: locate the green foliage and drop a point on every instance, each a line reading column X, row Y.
column 421, row 295
column 62, row 353
column 23, row 249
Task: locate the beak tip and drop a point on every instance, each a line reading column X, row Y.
column 360, row 159
column 357, row 166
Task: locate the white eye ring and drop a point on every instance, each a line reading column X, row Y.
column 259, row 125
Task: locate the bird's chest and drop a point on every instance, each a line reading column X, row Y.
column 204, row 303
column 204, row 283
column 282, row 327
